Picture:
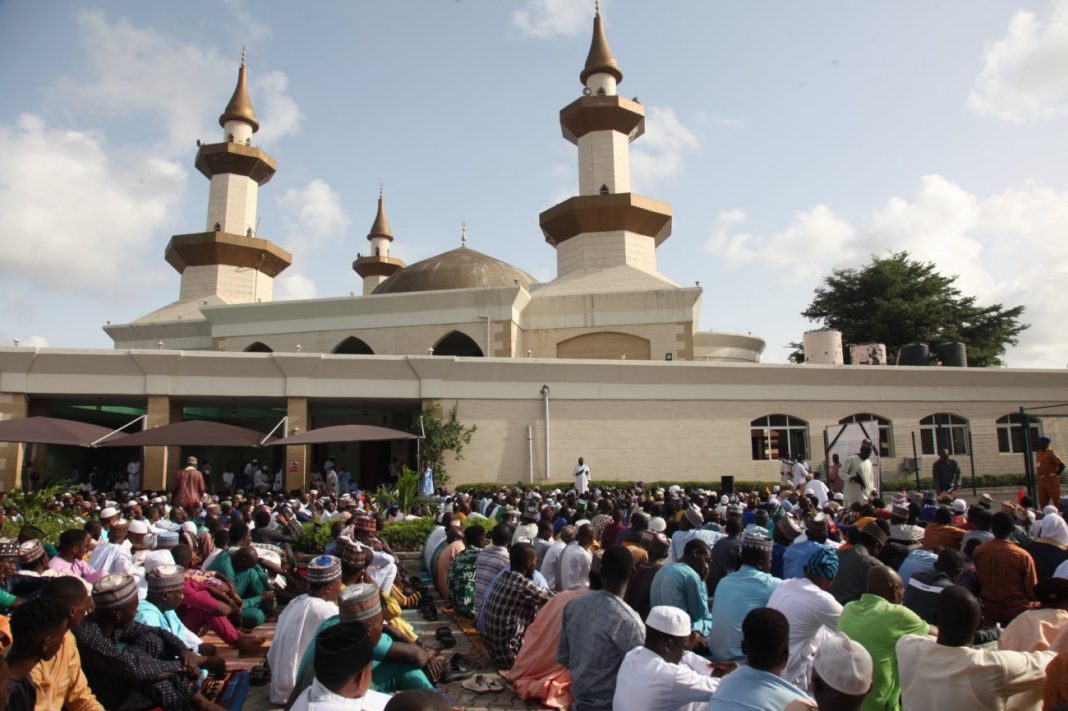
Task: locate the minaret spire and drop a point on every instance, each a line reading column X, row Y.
column 378, row 266
column 240, row 106
column 600, row 59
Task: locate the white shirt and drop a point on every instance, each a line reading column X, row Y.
column 807, row 608
column 437, row 535
column 852, row 491
column 114, row 558
column 934, row 676
column 798, row 474
column 575, row 564
column 295, row 631
column 582, row 478
column 550, row 565
column 648, row 682
column 318, row 698
column 818, row 489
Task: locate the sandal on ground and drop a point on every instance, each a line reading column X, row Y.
column 259, row 674
column 482, row 684
column 444, row 635
column 460, row 663
column 429, row 613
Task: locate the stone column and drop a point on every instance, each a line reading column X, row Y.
column 159, row 460
column 12, row 407
column 296, row 464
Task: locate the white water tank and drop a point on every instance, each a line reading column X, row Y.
column 824, row 347
column 868, row 354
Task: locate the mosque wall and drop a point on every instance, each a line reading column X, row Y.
column 629, row 419
column 594, row 251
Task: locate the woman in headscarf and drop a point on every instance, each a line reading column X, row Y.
column 1050, row 547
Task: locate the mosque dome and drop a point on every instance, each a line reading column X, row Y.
column 460, row 268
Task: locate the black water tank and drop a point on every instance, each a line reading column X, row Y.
column 726, row 484
column 953, row 354
column 914, row 354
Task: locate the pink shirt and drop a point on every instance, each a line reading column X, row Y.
column 78, row 568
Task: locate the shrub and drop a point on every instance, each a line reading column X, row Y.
column 410, row 535
column 313, row 538
column 33, row 509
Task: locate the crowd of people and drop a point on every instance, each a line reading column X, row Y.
column 589, row 597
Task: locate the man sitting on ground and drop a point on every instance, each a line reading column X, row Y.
column 682, row 585
column 342, row 672
column 745, row 589
column 512, row 605
column 59, row 681
column 841, row 674
column 38, row 629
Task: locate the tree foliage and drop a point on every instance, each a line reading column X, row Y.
column 897, row 300
column 443, row 435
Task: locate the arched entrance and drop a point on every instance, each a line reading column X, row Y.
column 353, row 346
column 456, row 343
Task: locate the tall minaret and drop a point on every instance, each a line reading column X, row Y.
column 605, row 225
column 229, row 260
column 378, row 266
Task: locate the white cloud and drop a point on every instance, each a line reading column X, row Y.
column 295, row 286
column 1003, row 248
column 553, row 18
column 312, row 214
column 661, row 153
column 1024, row 74
column 68, row 198
column 137, row 70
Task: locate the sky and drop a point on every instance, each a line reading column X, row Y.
column 790, row 139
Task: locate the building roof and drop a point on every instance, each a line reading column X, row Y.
column 460, row 268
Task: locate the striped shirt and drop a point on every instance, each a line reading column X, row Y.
column 491, row 561
column 1007, row 579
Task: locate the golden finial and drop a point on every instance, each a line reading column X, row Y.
column 244, row 55
column 600, row 59
column 380, row 228
column 463, row 234
column 597, row 7
column 381, row 190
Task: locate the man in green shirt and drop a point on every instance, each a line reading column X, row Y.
column 242, row 568
column 877, row 621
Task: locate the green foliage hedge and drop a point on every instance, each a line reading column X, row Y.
column 410, row 535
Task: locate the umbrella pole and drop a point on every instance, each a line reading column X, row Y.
column 283, row 422
column 142, row 419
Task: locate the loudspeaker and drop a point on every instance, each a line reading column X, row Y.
column 726, row 484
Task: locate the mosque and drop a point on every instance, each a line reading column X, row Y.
column 605, row 361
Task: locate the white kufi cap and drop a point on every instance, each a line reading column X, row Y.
column 670, row 620
column 844, row 664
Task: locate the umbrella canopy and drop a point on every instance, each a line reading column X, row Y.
column 54, row 430
column 346, row 433
column 192, row 433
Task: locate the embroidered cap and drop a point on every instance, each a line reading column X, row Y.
column 114, row 591
column 324, row 569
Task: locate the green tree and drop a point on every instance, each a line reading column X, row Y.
column 897, row 300
column 443, row 435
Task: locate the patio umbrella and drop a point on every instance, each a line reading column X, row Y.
column 192, row 433
column 54, row 430
column 346, row 433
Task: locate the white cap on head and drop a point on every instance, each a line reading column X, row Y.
column 669, row 620
column 138, row 527
column 843, row 664
column 657, row 524
column 108, row 512
column 960, row 505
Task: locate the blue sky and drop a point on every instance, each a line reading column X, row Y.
column 790, row 138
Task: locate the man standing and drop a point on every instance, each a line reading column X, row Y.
column 1048, row 469
column 582, row 477
column 799, row 472
column 856, row 473
column 599, row 629
column 189, row 486
column 946, row 473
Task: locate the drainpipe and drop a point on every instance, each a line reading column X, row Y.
column 545, row 398
column 530, row 451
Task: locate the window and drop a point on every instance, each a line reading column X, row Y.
column 944, row 431
column 258, row 347
column 1011, row 433
column 778, row 437
column 886, row 432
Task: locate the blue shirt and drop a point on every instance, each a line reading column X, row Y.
column 741, row 591
column 749, row 689
column 797, row 557
column 917, row 561
column 777, row 554
column 679, row 539
column 679, row 585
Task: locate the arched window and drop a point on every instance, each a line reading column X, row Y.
column 944, row 430
column 886, row 432
column 258, row 347
column 353, row 346
column 609, row 345
column 456, row 343
column 1011, row 433
column 778, row 437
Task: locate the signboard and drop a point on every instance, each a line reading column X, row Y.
column 844, row 440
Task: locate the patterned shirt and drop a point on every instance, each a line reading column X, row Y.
column 1007, row 579
column 510, row 608
column 491, row 561
column 136, row 659
column 598, row 630
column 462, row 582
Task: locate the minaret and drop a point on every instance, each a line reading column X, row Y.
column 228, row 260
column 378, row 266
column 605, row 225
